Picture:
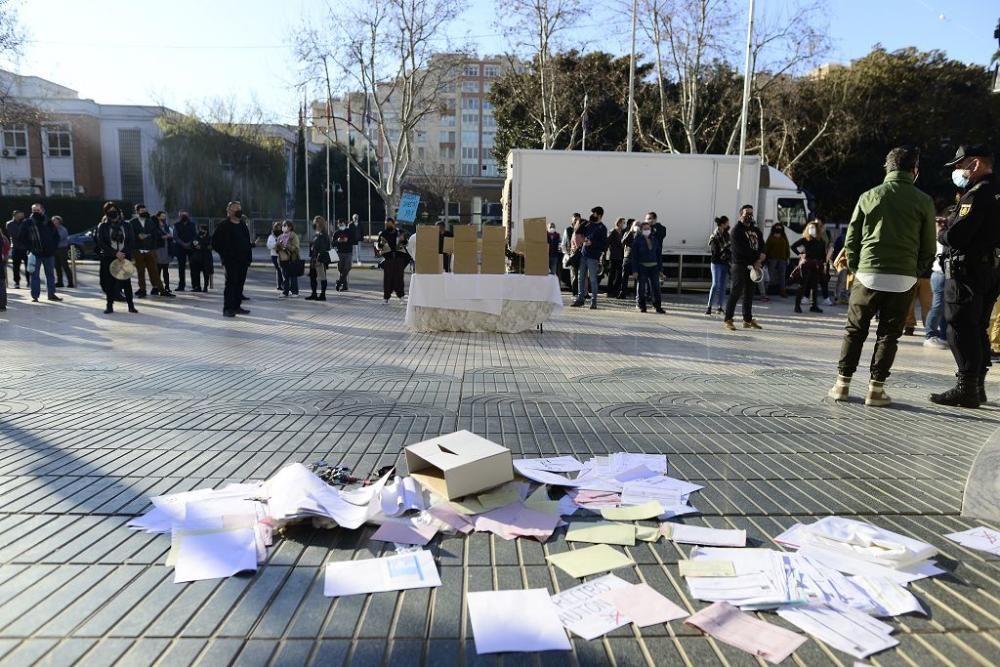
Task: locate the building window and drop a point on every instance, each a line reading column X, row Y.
column 471, row 70
column 491, row 70
column 470, row 138
column 487, row 86
column 59, row 140
column 470, row 153
column 18, row 188
column 470, row 119
column 489, row 121
column 470, row 86
column 487, row 105
column 15, row 140
column 470, row 103
column 61, row 189
column 130, row 159
column 420, row 152
column 470, row 169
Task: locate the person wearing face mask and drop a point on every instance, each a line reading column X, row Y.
column 720, row 246
column 890, row 241
column 343, row 241
column 115, row 242
column 646, row 259
column 145, row 231
column 202, row 262
column 391, row 246
column 164, row 249
column 288, row 257
column 748, row 253
column 615, row 256
column 40, row 237
column 778, row 252
column 319, row 258
column 595, row 243
column 184, row 232
column 972, row 273
column 233, row 243
column 555, row 242
column 18, row 255
column 811, row 249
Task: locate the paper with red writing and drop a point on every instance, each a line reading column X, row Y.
column 644, row 606
column 584, row 611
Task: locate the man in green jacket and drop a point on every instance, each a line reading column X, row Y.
column 890, row 241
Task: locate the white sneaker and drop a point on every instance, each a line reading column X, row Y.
column 827, row 302
column 936, row 343
column 876, row 396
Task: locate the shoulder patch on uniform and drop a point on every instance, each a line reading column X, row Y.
column 964, row 210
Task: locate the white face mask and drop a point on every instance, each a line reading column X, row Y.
column 647, row 232
column 341, row 226
column 811, row 230
column 961, row 178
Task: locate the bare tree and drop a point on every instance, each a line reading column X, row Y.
column 12, row 38
column 391, row 52
column 535, row 26
column 439, row 180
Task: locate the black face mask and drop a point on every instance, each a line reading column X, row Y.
column 113, row 216
column 144, row 215
column 238, row 213
column 37, row 217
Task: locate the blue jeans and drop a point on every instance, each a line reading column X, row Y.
column 720, row 276
column 554, row 265
column 777, row 269
column 647, row 288
column 588, row 267
column 50, row 280
column 936, row 325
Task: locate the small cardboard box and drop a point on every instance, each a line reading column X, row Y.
column 458, row 464
column 535, row 230
column 494, row 259
column 428, row 258
column 466, row 258
column 465, row 233
column 536, row 258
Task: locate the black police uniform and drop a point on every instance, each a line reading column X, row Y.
column 972, row 285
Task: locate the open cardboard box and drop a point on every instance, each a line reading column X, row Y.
column 458, row 464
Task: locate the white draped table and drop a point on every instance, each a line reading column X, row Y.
column 502, row 303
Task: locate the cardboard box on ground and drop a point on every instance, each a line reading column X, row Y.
column 458, row 464
column 428, row 259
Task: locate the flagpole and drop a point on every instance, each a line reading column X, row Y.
column 347, row 215
column 631, row 81
column 305, row 149
column 585, row 122
column 746, row 99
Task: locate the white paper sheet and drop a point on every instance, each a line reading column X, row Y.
column 542, row 476
column 981, row 538
column 414, row 569
column 850, row 565
column 843, row 628
column 550, row 464
column 717, row 537
column 401, row 495
column 864, row 541
column 761, row 579
column 213, row 554
column 667, row 490
column 888, row 597
column 523, row 621
column 585, row 612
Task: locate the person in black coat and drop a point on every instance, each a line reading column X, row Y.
column 202, row 261
column 391, row 247
column 319, row 258
column 646, row 260
column 185, row 232
column 616, row 256
column 235, row 247
column 343, row 241
column 748, row 253
column 115, row 240
column 41, row 239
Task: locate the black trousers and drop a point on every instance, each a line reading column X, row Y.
column 200, row 272
column 236, row 277
column 62, row 267
column 810, row 277
column 182, row 260
column 112, row 286
column 3, row 282
column 892, row 309
column 393, row 270
column 615, row 275
column 742, row 288
column 967, row 308
column 18, row 257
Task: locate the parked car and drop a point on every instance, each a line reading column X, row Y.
column 84, row 244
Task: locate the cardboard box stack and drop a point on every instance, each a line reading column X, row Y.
column 466, row 258
column 493, row 260
column 428, row 259
column 536, row 247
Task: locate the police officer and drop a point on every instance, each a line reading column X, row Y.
column 972, row 273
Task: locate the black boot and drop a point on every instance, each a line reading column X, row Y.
column 965, row 394
column 981, row 389
column 312, row 297
column 322, row 294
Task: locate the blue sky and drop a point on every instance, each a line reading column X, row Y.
column 181, row 51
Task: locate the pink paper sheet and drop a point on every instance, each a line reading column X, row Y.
column 741, row 630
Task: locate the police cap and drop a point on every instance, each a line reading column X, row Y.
column 970, row 150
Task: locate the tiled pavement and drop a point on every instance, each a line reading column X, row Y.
column 97, row 413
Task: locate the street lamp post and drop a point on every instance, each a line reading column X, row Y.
column 747, row 74
column 631, row 81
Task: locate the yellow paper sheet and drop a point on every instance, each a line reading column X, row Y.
column 707, row 567
column 500, row 497
column 648, row 510
column 467, row 505
column 647, row 533
column 583, row 562
column 604, row 532
column 539, row 501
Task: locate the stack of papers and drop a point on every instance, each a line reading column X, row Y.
column 841, row 627
column 863, row 541
column 983, row 539
column 295, row 493
column 173, row 507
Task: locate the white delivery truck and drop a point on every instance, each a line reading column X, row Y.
column 687, row 192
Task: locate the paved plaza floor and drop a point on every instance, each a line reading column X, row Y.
column 97, row 413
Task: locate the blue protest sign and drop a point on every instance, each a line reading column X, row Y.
column 408, row 203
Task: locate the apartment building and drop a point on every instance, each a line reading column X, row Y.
column 78, row 147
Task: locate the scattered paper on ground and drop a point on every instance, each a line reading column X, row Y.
column 584, row 610
column 731, row 626
column 604, row 532
column 982, row 538
column 633, row 512
column 415, row 569
column 715, row 537
column 591, row 560
column 643, row 605
column 843, row 628
column 707, row 567
column 515, row 621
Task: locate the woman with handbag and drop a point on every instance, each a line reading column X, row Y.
column 811, row 249
column 288, row 258
column 391, row 247
column 319, row 258
column 721, row 248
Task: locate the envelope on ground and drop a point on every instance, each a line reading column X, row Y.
column 591, row 560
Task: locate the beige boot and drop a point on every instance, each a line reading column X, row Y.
column 876, row 396
column 841, row 390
